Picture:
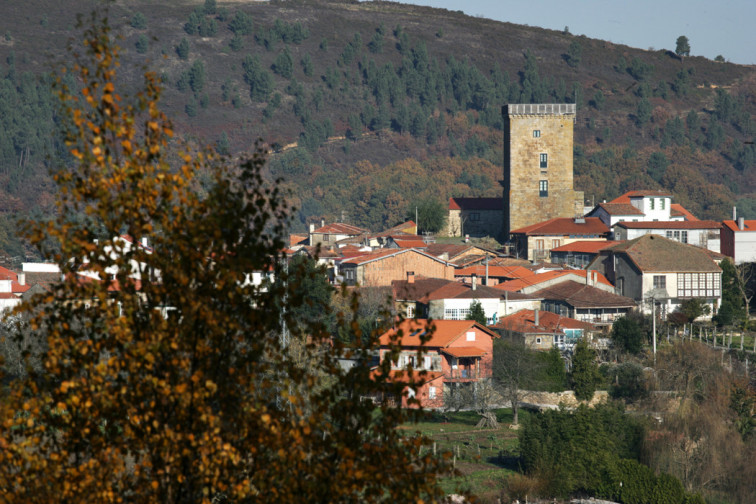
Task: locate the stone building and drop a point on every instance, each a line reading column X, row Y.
column 538, row 173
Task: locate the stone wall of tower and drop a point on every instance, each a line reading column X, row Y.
column 532, row 130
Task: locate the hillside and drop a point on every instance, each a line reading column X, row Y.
column 371, row 106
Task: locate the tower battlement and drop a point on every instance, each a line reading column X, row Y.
column 540, row 109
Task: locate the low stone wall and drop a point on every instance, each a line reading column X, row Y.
column 554, row 399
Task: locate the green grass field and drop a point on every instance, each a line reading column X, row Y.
column 483, row 458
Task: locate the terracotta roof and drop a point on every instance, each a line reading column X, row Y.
column 580, row 295
column 405, row 228
column 565, row 226
column 296, row 239
column 625, row 198
column 443, row 332
column 677, row 210
column 535, row 279
column 524, row 321
column 620, row 209
column 584, row 246
column 341, row 228
column 748, row 225
column 464, row 351
column 383, row 253
column 410, row 243
column 494, row 271
column 656, row 253
column 476, row 204
column 420, row 287
column 697, row 224
column 459, row 290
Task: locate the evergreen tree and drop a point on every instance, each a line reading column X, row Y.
column 627, row 334
column 574, row 54
column 197, row 76
column 138, row 21
column 683, row 46
column 241, row 24
column 142, row 44
column 477, row 313
column 643, row 112
column 284, row 64
column 260, row 80
column 585, row 375
column 307, row 66
column 183, row 49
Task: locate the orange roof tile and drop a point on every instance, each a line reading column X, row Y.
column 565, row 226
column 676, row 210
column 625, row 198
column 464, row 351
column 410, row 243
column 696, row 224
column 524, row 321
column 442, row 332
column 748, row 225
column 535, row 279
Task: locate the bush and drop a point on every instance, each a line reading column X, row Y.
column 627, row 334
column 138, row 21
column 627, row 382
column 142, row 44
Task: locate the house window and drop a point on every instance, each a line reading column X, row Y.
column 349, row 274
column 470, row 335
column 652, row 203
column 410, row 311
column 539, row 244
column 677, row 235
column 663, row 203
column 543, row 188
column 555, row 243
column 538, row 341
column 431, row 392
column 456, row 313
column 684, row 236
column 326, row 237
column 544, row 161
column 660, row 282
column 536, row 133
column 698, row 285
column 475, row 216
column 669, row 234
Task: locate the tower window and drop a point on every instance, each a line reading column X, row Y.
column 544, row 160
column 652, row 203
column 543, row 188
column 536, row 133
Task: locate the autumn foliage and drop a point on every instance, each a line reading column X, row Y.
column 170, row 377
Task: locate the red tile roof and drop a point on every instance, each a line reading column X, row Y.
column 677, row 210
column 494, row 271
column 521, row 283
column 580, row 295
column 625, row 198
column 410, row 243
column 696, row 224
column 620, row 209
column 565, row 226
column 748, row 225
column 524, row 321
column 383, row 253
column 443, row 332
column 584, row 246
column 341, row 228
column 464, row 351
column 476, row 204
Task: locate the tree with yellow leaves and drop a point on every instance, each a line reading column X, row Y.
column 167, row 375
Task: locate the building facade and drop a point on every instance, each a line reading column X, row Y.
column 538, row 171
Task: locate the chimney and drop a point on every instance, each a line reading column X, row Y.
column 22, row 278
column 322, row 222
column 143, row 241
column 411, row 277
column 734, row 213
column 741, row 223
column 536, row 314
column 588, row 274
column 474, row 278
column 312, row 228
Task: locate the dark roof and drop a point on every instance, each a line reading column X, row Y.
column 655, row 253
column 580, row 295
column 565, row 226
column 476, row 204
column 341, row 228
column 620, row 209
column 420, row 287
column 451, row 249
column 697, row 224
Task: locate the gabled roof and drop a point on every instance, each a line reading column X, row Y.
column 748, row 225
column 451, row 249
column 405, row 228
column 656, row 253
column 523, row 321
column 580, row 295
column 341, row 228
column 677, row 210
column 476, row 204
column 417, row 289
column 297, row 239
column 442, row 332
column 538, row 278
column 620, row 209
column 459, row 290
column 625, row 198
column 494, row 271
column 585, row 246
column 565, row 226
column 16, row 288
column 696, row 224
column 378, row 255
column 412, row 243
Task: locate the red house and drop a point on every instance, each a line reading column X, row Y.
column 458, row 353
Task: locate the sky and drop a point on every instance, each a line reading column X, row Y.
column 713, row 28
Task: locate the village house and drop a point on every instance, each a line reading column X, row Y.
column 490, row 275
column 476, row 217
column 701, row 233
column 654, row 269
column 541, row 330
column 578, row 254
column 641, row 206
column 457, row 353
column 381, row 267
column 585, row 303
column 536, row 241
column 329, row 234
column 739, row 240
column 12, row 286
column 538, row 281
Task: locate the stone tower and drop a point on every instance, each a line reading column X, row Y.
column 538, row 179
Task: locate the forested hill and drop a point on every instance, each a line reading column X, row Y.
column 371, row 106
